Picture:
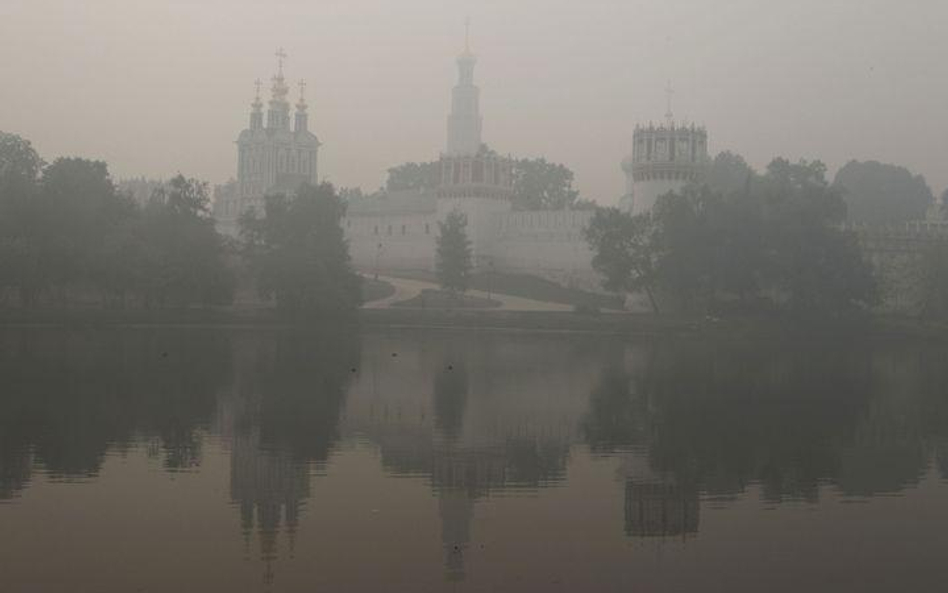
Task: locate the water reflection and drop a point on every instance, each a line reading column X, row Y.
column 474, row 417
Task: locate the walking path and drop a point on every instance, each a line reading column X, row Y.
column 406, row 289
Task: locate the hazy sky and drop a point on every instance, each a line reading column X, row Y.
column 156, row 87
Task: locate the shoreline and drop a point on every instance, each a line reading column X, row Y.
column 612, row 324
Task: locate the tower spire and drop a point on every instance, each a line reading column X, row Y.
column 281, row 56
column 256, row 108
column 464, row 123
column 302, row 125
column 301, row 105
column 669, row 91
column 467, row 35
column 278, row 117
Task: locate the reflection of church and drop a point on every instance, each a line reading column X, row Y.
column 660, row 509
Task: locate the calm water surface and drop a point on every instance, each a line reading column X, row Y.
column 179, row 460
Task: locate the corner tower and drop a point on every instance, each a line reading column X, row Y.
column 665, row 158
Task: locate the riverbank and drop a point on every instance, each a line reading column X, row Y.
column 632, row 324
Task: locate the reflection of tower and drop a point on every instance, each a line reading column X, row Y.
column 269, row 487
column 660, row 509
column 665, row 158
column 456, row 509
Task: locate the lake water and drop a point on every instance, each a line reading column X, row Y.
column 400, row 460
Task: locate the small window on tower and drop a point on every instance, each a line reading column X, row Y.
column 404, row 229
column 376, row 231
column 427, row 229
column 389, row 229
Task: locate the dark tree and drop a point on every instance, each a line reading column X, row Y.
column 818, row 268
column 414, row 176
column 623, row 251
column 541, row 185
column 729, row 174
column 877, row 193
column 183, row 257
column 20, row 168
column 454, row 264
column 300, row 256
column 685, row 241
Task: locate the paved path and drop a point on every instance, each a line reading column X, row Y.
column 406, row 289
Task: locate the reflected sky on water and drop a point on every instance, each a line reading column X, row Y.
column 170, row 460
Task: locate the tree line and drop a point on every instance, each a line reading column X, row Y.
column 69, row 237
column 538, row 184
column 741, row 240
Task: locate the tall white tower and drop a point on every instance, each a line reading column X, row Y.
column 476, row 182
column 464, row 122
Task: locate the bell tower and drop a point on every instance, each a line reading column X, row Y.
column 475, row 181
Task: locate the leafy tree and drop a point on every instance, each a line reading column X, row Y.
column 685, row 242
column 20, row 167
column 299, row 253
column 414, row 176
column 183, row 256
column 818, row 267
column 537, row 183
column 729, row 174
column 623, row 251
column 19, row 162
column 541, row 185
column 82, row 211
column 453, row 265
column 878, row 193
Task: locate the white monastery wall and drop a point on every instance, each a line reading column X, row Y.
column 393, row 242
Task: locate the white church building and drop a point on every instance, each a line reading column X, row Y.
column 396, row 231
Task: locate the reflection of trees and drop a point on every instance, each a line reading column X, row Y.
column 69, row 396
column 787, row 417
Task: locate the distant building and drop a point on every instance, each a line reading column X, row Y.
column 396, row 231
column 272, row 157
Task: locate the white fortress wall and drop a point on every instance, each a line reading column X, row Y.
column 549, row 244
column 403, row 242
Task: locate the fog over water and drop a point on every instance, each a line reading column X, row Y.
column 154, row 88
